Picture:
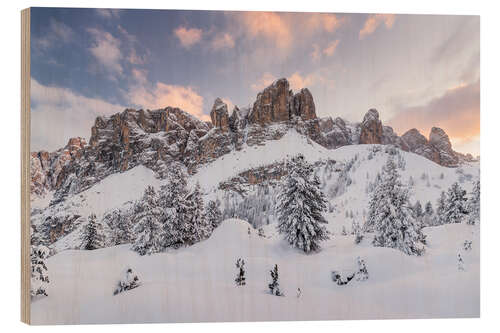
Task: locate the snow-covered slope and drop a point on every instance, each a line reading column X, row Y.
column 427, row 180
column 177, row 286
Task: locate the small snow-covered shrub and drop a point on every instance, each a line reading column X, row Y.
column 467, row 245
column 362, row 273
column 129, row 281
column 341, row 280
column 274, row 286
column 240, row 277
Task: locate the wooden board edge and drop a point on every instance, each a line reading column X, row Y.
column 25, row 167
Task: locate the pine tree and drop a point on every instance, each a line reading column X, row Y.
column 300, row 207
column 417, row 209
column 119, row 223
column 428, row 214
column 39, row 271
column 344, row 231
column 197, row 226
column 441, row 208
column 92, row 237
column 357, row 232
column 149, row 227
column 429, row 211
column 274, row 286
column 455, row 209
column 392, row 216
column 474, row 204
column 213, row 213
column 240, row 277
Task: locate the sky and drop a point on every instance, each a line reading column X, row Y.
column 418, row 71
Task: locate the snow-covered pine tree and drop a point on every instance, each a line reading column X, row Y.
column 274, row 286
column 455, row 210
column 213, row 213
column 197, row 226
column 441, row 208
column 39, row 271
column 428, row 209
column 176, row 209
column 357, row 232
column 300, row 207
column 474, row 204
column 149, row 226
column 392, row 215
column 417, row 209
column 240, row 277
column 344, row 231
column 428, row 217
column 92, row 237
column 119, row 223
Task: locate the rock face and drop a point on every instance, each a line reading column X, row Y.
column 437, row 148
column 440, row 141
column 371, row 128
column 158, row 138
column 277, row 103
column 220, row 115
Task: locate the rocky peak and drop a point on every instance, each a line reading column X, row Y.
column 441, row 142
column 437, row 148
column 414, row 139
column 371, row 128
column 277, row 103
column 220, row 115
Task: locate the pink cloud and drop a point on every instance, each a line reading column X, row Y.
column 223, row 40
column 298, row 81
column 269, row 25
column 373, row 21
column 326, row 22
column 188, row 36
column 162, row 95
column 265, row 80
column 456, row 111
column 330, row 49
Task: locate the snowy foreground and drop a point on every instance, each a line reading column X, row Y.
column 197, row 283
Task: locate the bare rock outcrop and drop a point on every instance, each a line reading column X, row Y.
column 371, row 128
column 220, row 115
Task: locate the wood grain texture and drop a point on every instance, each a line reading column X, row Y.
column 25, row 167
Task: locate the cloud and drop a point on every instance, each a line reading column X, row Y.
column 162, row 95
column 264, row 81
column 298, row 82
column 466, row 33
column 58, row 114
column 140, row 75
column 108, row 13
column 326, row 22
column 58, row 32
column 373, row 21
column 269, row 25
column 223, row 40
column 188, row 36
column 456, row 111
column 230, row 104
column 330, row 49
column 106, row 49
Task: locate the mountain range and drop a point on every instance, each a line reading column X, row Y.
column 157, row 138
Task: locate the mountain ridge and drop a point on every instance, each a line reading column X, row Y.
column 157, row 138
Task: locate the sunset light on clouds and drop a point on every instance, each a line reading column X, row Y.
column 416, row 70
